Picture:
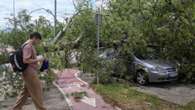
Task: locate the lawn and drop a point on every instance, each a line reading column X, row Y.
column 129, row 99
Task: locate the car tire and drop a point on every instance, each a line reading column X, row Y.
column 141, row 78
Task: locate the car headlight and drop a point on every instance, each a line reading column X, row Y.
column 153, row 69
column 156, row 69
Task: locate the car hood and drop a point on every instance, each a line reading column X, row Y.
column 158, row 63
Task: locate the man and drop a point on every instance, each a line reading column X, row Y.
column 32, row 84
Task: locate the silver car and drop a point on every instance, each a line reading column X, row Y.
column 153, row 70
column 147, row 68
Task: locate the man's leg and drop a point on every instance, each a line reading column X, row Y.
column 33, row 85
column 21, row 99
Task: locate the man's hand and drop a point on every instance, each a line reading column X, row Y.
column 40, row 58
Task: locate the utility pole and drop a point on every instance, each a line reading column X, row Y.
column 98, row 29
column 98, row 23
column 55, row 16
column 14, row 15
column 98, row 37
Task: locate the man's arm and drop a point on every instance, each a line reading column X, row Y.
column 30, row 61
column 27, row 55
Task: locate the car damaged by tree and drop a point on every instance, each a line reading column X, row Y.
column 146, row 68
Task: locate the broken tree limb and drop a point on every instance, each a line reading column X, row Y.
column 63, row 31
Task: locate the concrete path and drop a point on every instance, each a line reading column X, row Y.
column 53, row 101
column 69, row 83
column 175, row 93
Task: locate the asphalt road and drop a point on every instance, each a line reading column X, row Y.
column 172, row 92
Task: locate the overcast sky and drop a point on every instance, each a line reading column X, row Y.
column 6, row 8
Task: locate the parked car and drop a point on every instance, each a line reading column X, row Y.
column 147, row 68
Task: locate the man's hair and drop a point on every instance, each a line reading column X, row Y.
column 36, row 35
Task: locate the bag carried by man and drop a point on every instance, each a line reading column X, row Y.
column 16, row 60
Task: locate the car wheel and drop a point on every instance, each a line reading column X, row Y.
column 141, row 78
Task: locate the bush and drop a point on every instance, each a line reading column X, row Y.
column 106, row 71
column 187, row 73
column 3, row 58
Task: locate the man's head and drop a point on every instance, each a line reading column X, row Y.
column 35, row 37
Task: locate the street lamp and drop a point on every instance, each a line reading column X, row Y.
column 46, row 10
column 98, row 23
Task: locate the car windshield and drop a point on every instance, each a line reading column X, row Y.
column 149, row 53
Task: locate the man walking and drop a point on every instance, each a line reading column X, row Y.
column 32, row 84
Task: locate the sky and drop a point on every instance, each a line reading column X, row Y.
column 6, row 9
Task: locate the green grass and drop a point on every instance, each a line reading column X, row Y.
column 127, row 98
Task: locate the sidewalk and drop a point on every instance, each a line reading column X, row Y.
column 69, row 83
column 52, row 99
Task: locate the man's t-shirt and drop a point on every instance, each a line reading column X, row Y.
column 29, row 52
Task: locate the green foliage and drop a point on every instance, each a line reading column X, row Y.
column 3, row 58
column 170, row 25
column 129, row 25
column 187, row 73
column 11, row 83
column 167, row 24
column 24, row 27
column 14, row 39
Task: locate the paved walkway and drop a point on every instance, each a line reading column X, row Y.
column 175, row 93
column 69, row 83
column 53, row 101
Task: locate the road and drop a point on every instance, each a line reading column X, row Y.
column 175, row 93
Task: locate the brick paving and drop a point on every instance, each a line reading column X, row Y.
column 68, row 81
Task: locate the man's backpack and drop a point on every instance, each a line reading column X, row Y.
column 16, row 60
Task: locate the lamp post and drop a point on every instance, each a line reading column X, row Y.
column 55, row 16
column 98, row 23
column 99, row 4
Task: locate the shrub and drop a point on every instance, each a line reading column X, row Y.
column 3, row 58
column 187, row 73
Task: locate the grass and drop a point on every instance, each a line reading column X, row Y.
column 127, row 98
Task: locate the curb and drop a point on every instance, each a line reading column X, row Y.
column 68, row 103
column 77, row 77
